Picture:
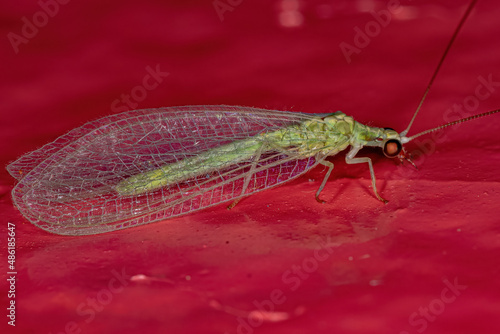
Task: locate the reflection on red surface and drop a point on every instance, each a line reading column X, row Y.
column 279, row 261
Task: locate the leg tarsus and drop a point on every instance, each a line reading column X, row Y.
column 248, row 178
column 232, row 205
column 325, row 179
column 349, row 159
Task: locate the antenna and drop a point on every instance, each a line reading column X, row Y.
column 462, row 21
column 466, row 119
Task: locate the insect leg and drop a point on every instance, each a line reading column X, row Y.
column 330, row 168
column 351, row 160
column 249, row 176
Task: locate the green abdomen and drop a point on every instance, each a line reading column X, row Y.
column 327, row 136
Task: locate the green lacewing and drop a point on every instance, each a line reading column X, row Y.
column 144, row 166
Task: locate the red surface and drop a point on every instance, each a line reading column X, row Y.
column 204, row 272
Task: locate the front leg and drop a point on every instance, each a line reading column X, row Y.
column 351, row 160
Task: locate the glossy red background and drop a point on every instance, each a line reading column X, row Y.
column 204, row 271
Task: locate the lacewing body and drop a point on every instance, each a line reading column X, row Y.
column 147, row 165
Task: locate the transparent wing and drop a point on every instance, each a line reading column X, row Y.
column 69, row 186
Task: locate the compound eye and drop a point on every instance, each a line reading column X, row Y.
column 392, row 147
